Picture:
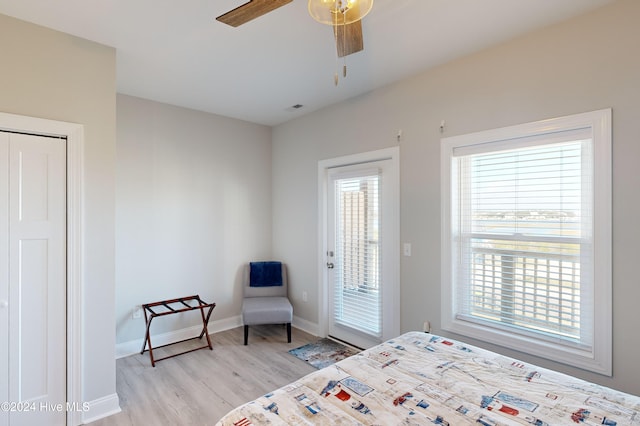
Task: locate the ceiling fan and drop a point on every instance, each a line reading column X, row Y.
column 346, row 23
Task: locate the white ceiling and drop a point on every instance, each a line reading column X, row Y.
column 174, row 51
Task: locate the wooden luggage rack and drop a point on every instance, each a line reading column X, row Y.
column 182, row 305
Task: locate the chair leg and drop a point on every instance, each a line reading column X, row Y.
column 246, row 334
column 289, row 332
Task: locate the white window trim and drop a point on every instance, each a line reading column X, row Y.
column 599, row 358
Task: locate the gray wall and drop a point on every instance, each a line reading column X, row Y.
column 193, row 204
column 52, row 75
column 585, row 64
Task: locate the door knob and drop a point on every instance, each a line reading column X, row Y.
column 329, row 265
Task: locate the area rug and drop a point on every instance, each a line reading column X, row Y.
column 323, row 353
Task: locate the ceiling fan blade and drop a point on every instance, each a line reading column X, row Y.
column 251, row 10
column 352, row 41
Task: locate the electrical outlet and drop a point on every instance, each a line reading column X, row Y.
column 137, row 312
column 304, row 296
column 407, row 249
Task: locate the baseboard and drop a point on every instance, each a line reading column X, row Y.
column 134, row 346
column 100, row 408
column 304, row 325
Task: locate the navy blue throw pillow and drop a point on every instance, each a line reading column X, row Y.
column 265, row 274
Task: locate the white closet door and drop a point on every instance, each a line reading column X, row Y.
column 4, row 275
column 33, row 268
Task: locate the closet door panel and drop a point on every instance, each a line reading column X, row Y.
column 36, row 285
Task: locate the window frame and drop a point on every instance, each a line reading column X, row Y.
column 598, row 357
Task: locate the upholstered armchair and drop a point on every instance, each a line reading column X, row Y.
column 265, row 296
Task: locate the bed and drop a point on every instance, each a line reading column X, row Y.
column 420, row 378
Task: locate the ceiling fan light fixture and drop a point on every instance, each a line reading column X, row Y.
column 339, row 12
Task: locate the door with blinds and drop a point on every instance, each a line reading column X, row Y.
column 361, row 285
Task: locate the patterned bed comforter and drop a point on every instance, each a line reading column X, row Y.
column 422, row 379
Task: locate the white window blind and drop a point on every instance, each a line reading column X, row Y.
column 526, row 238
column 524, row 231
column 357, row 273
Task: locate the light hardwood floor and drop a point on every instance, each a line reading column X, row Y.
column 200, row 387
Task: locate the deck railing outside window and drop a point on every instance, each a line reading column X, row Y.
column 526, row 288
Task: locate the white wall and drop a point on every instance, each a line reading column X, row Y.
column 52, row 75
column 585, row 64
column 193, row 203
